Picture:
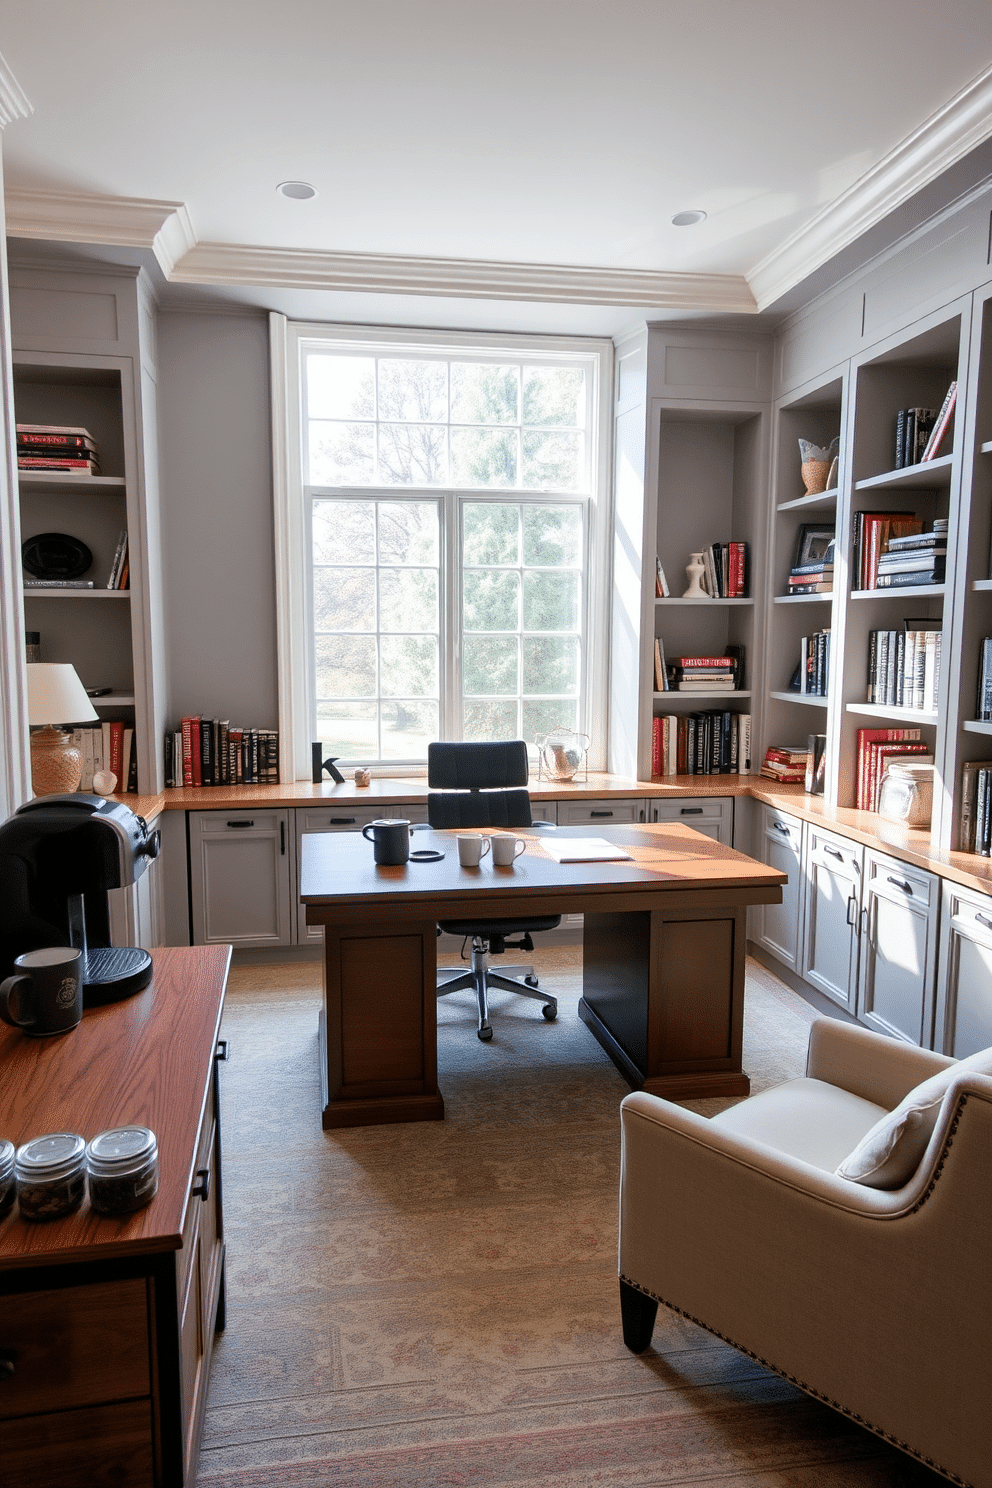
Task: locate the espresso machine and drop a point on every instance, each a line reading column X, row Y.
column 59, row 858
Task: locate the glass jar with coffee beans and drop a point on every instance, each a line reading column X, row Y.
column 122, row 1165
column 8, row 1186
column 51, row 1175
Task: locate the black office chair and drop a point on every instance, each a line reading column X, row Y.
column 471, row 785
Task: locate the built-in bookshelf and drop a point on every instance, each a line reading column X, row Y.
column 71, row 371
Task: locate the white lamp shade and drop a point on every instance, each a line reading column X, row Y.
column 56, row 697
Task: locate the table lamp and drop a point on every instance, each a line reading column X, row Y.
column 56, row 698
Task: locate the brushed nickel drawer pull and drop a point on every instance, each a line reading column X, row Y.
column 983, row 919
column 241, row 824
column 341, row 821
column 901, row 883
column 834, row 852
column 600, row 813
column 691, row 811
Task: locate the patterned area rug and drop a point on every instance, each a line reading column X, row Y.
column 434, row 1305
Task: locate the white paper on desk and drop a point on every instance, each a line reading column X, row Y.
column 583, row 849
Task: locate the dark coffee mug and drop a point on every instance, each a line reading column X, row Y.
column 390, row 841
column 45, row 994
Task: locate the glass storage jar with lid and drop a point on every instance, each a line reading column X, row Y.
column 51, row 1175
column 123, row 1169
column 8, row 1187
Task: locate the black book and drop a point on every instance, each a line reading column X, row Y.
column 900, row 449
column 206, row 753
column 169, row 758
column 983, row 710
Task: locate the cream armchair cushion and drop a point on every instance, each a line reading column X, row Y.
column 890, row 1153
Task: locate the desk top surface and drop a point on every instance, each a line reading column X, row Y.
column 338, row 867
column 146, row 1061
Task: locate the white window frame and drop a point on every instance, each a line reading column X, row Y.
column 288, row 341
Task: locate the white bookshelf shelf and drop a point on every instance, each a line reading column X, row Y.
column 713, row 603
column 977, row 726
column 685, row 697
column 77, row 593
column 792, row 599
column 902, row 591
column 982, row 586
column 810, row 503
column 64, row 480
column 800, row 697
column 880, row 710
column 913, row 477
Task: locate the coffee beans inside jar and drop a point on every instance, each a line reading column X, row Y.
column 51, row 1175
column 123, row 1169
column 8, row 1188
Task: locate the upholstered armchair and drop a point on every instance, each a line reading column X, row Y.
column 870, row 1287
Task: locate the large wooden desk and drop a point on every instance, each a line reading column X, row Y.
column 663, row 958
column 106, row 1325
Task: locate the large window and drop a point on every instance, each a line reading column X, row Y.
column 449, row 513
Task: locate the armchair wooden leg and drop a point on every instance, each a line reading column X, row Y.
column 637, row 1312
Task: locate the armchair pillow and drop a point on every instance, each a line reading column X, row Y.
column 889, row 1154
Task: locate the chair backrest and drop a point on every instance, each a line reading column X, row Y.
column 469, row 784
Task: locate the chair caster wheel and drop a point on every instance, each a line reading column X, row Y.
column 531, row 981
column 549, row 1012
column 485, row 1034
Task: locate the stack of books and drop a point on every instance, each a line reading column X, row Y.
column 702, row 674
column 877, row 748
column 914, row 558
column 904, row 666
column 786, row 763
column 56, row 448
column 873, row 531
column 710, row 743
column 975, row 824
column 983, row 706
column 813, row 578
column 210, row 751
column 726, row 570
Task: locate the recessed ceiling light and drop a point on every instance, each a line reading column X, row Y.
column 297, row 190
column 688, row 219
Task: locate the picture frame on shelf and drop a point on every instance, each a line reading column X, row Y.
column 814, row 542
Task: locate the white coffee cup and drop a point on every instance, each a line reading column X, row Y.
column 471, row 850
column 506, row 847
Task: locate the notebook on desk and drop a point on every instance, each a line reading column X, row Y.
column 584, row 850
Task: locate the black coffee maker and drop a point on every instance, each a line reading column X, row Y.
column 59, row 857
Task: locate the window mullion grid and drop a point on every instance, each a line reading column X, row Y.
column 450, row 589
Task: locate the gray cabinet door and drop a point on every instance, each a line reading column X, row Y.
column 833, row 907
column 896, row 982
column 780, row 925
column 242, row 878
column 711, row 815
column 964, row 990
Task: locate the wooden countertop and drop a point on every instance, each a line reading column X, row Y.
column 911, row 846
column 145, row 1061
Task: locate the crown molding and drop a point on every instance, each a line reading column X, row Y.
column 939, row 143
column 13, row 100
column 118, row 221
column 373, row 273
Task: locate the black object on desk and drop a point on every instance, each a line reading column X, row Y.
column 320, row 765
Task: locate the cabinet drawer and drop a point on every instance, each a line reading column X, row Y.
column 897, row 880
column 349, row 818
column 76, row 1346
column 786, row 830
column 606, row 813
column 80, row 1448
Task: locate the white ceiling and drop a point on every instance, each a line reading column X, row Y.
column 489, row 157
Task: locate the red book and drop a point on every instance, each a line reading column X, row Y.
column 704, row 661
column 656, row 746
column 117, row 752
column 867, row 737
column 187, row 733
column 736, row 571
column 195, row 749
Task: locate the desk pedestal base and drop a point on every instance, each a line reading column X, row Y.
column 664, row 995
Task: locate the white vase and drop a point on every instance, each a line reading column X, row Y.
column 694, row 573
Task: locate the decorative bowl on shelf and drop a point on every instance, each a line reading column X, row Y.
column 561, row 753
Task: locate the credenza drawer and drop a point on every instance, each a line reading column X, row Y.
column 72, row 1347
column 81, row 1448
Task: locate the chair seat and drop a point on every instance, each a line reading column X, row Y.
column 492, row 929
column 809, row 1119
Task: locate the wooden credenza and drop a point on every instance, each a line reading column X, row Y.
column 107, row 1325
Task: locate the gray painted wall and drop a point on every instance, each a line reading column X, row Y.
column 219, row 573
